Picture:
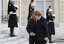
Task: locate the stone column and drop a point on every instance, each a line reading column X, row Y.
column 59, row 12
column 56, row 12
column 24, row 11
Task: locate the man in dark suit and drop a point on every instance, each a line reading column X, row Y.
column 50, row 19
column 37, row 29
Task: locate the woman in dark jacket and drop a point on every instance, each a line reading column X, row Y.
column 12, row 22
column 37, row 29
column 31, row 8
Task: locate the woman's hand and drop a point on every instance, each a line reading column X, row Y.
column 32, row 34
column 46, row 38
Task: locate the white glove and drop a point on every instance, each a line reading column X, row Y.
column 16, row 6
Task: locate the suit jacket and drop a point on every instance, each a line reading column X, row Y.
column 39, row 28
column 31, row 26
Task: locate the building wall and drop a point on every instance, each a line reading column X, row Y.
column 56, row 11
column 61, row 13
column 23, row 11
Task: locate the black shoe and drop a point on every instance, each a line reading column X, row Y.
column 51, row 42
column 12, row 35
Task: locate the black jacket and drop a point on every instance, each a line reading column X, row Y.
column 30, row 11
column 49, row 17
column 31, row 26
column 12, row 21
column 12, row 8
column 39, row 28
column 51, row 27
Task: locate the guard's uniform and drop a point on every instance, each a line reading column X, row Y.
column 50, row 21
column 30, row 11
column 12, row 22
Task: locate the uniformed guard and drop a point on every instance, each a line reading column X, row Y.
column 50, row 20
column 37, row 29
column 31, row 8
column 12, row 21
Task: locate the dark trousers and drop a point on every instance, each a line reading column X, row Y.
column 50, row 31
column 32, row 40
column 11, row 30
column 41, row 42
column 50, row 37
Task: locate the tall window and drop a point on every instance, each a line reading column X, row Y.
column 42, row 6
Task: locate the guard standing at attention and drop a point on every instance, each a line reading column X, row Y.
column 50, row 20
column 12, row 21
column 31, row 8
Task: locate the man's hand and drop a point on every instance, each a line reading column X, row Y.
column 32, row 34
column 46, row 38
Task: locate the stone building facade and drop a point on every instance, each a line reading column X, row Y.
column 41, row 5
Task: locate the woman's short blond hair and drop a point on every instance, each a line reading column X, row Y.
column 37, row 13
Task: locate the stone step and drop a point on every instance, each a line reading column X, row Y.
column 5, row 39
column 3, row 35
column 59, row 33
column 27, row 42
column 17, row 41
